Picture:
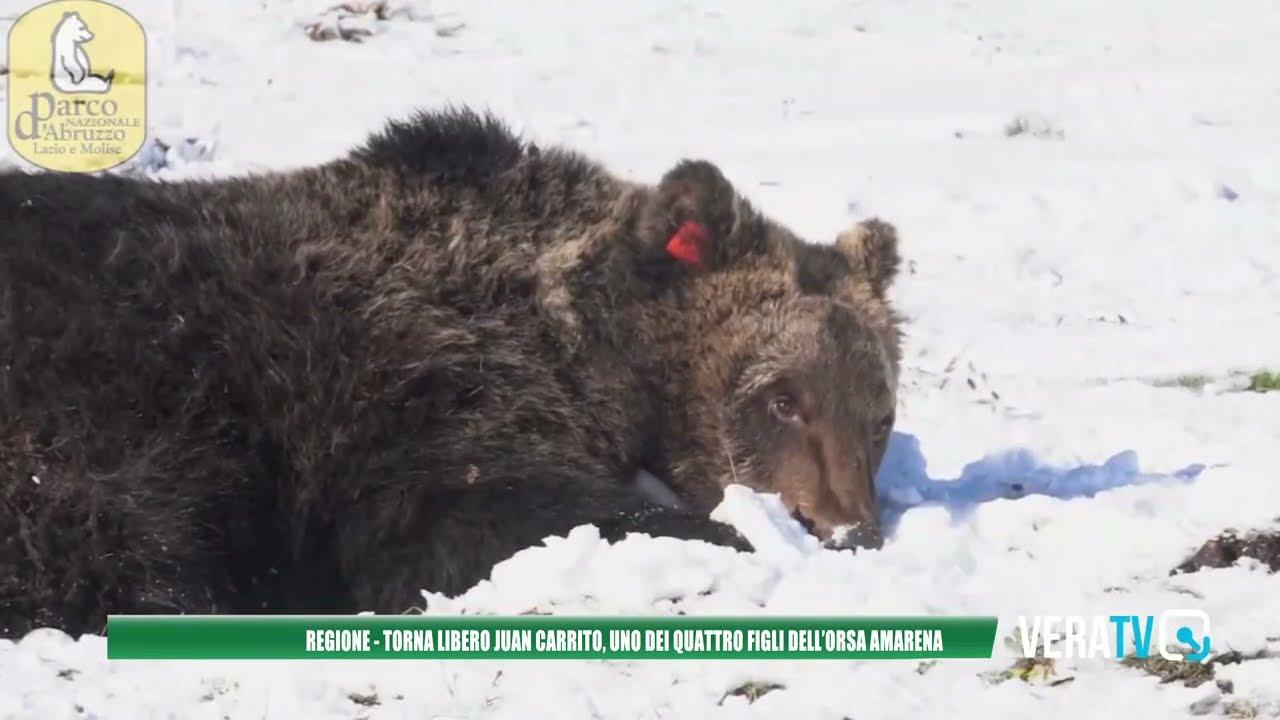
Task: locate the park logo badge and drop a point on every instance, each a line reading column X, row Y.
column 77, row 92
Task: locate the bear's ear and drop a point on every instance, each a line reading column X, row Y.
column 692, row 217
column 871, row 248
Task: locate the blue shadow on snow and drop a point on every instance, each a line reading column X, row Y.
column 903, row 482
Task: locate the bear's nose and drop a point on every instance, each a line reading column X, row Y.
column 859, row 535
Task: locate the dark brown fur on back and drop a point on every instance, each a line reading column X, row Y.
column 323, row 390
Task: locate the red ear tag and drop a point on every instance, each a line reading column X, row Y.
column 686, row 244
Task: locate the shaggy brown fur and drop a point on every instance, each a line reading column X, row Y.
column 323, row 390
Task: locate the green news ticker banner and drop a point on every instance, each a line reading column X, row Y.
column 543, row 637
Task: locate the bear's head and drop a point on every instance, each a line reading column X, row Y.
column 73, row 28
column 780, row 358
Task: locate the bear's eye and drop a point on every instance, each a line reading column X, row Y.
column 784, row 409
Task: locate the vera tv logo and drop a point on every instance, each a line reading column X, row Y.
column 1076, row 636
column 77, row 97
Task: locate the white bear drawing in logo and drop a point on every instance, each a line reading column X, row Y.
column 71, row 71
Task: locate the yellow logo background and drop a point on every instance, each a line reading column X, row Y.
column 83, row 130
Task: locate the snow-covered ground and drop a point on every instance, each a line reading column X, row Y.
column 1089, row 198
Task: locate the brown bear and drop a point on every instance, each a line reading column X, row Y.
column 322, row 390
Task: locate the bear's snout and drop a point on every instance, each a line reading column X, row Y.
column 827, row 482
